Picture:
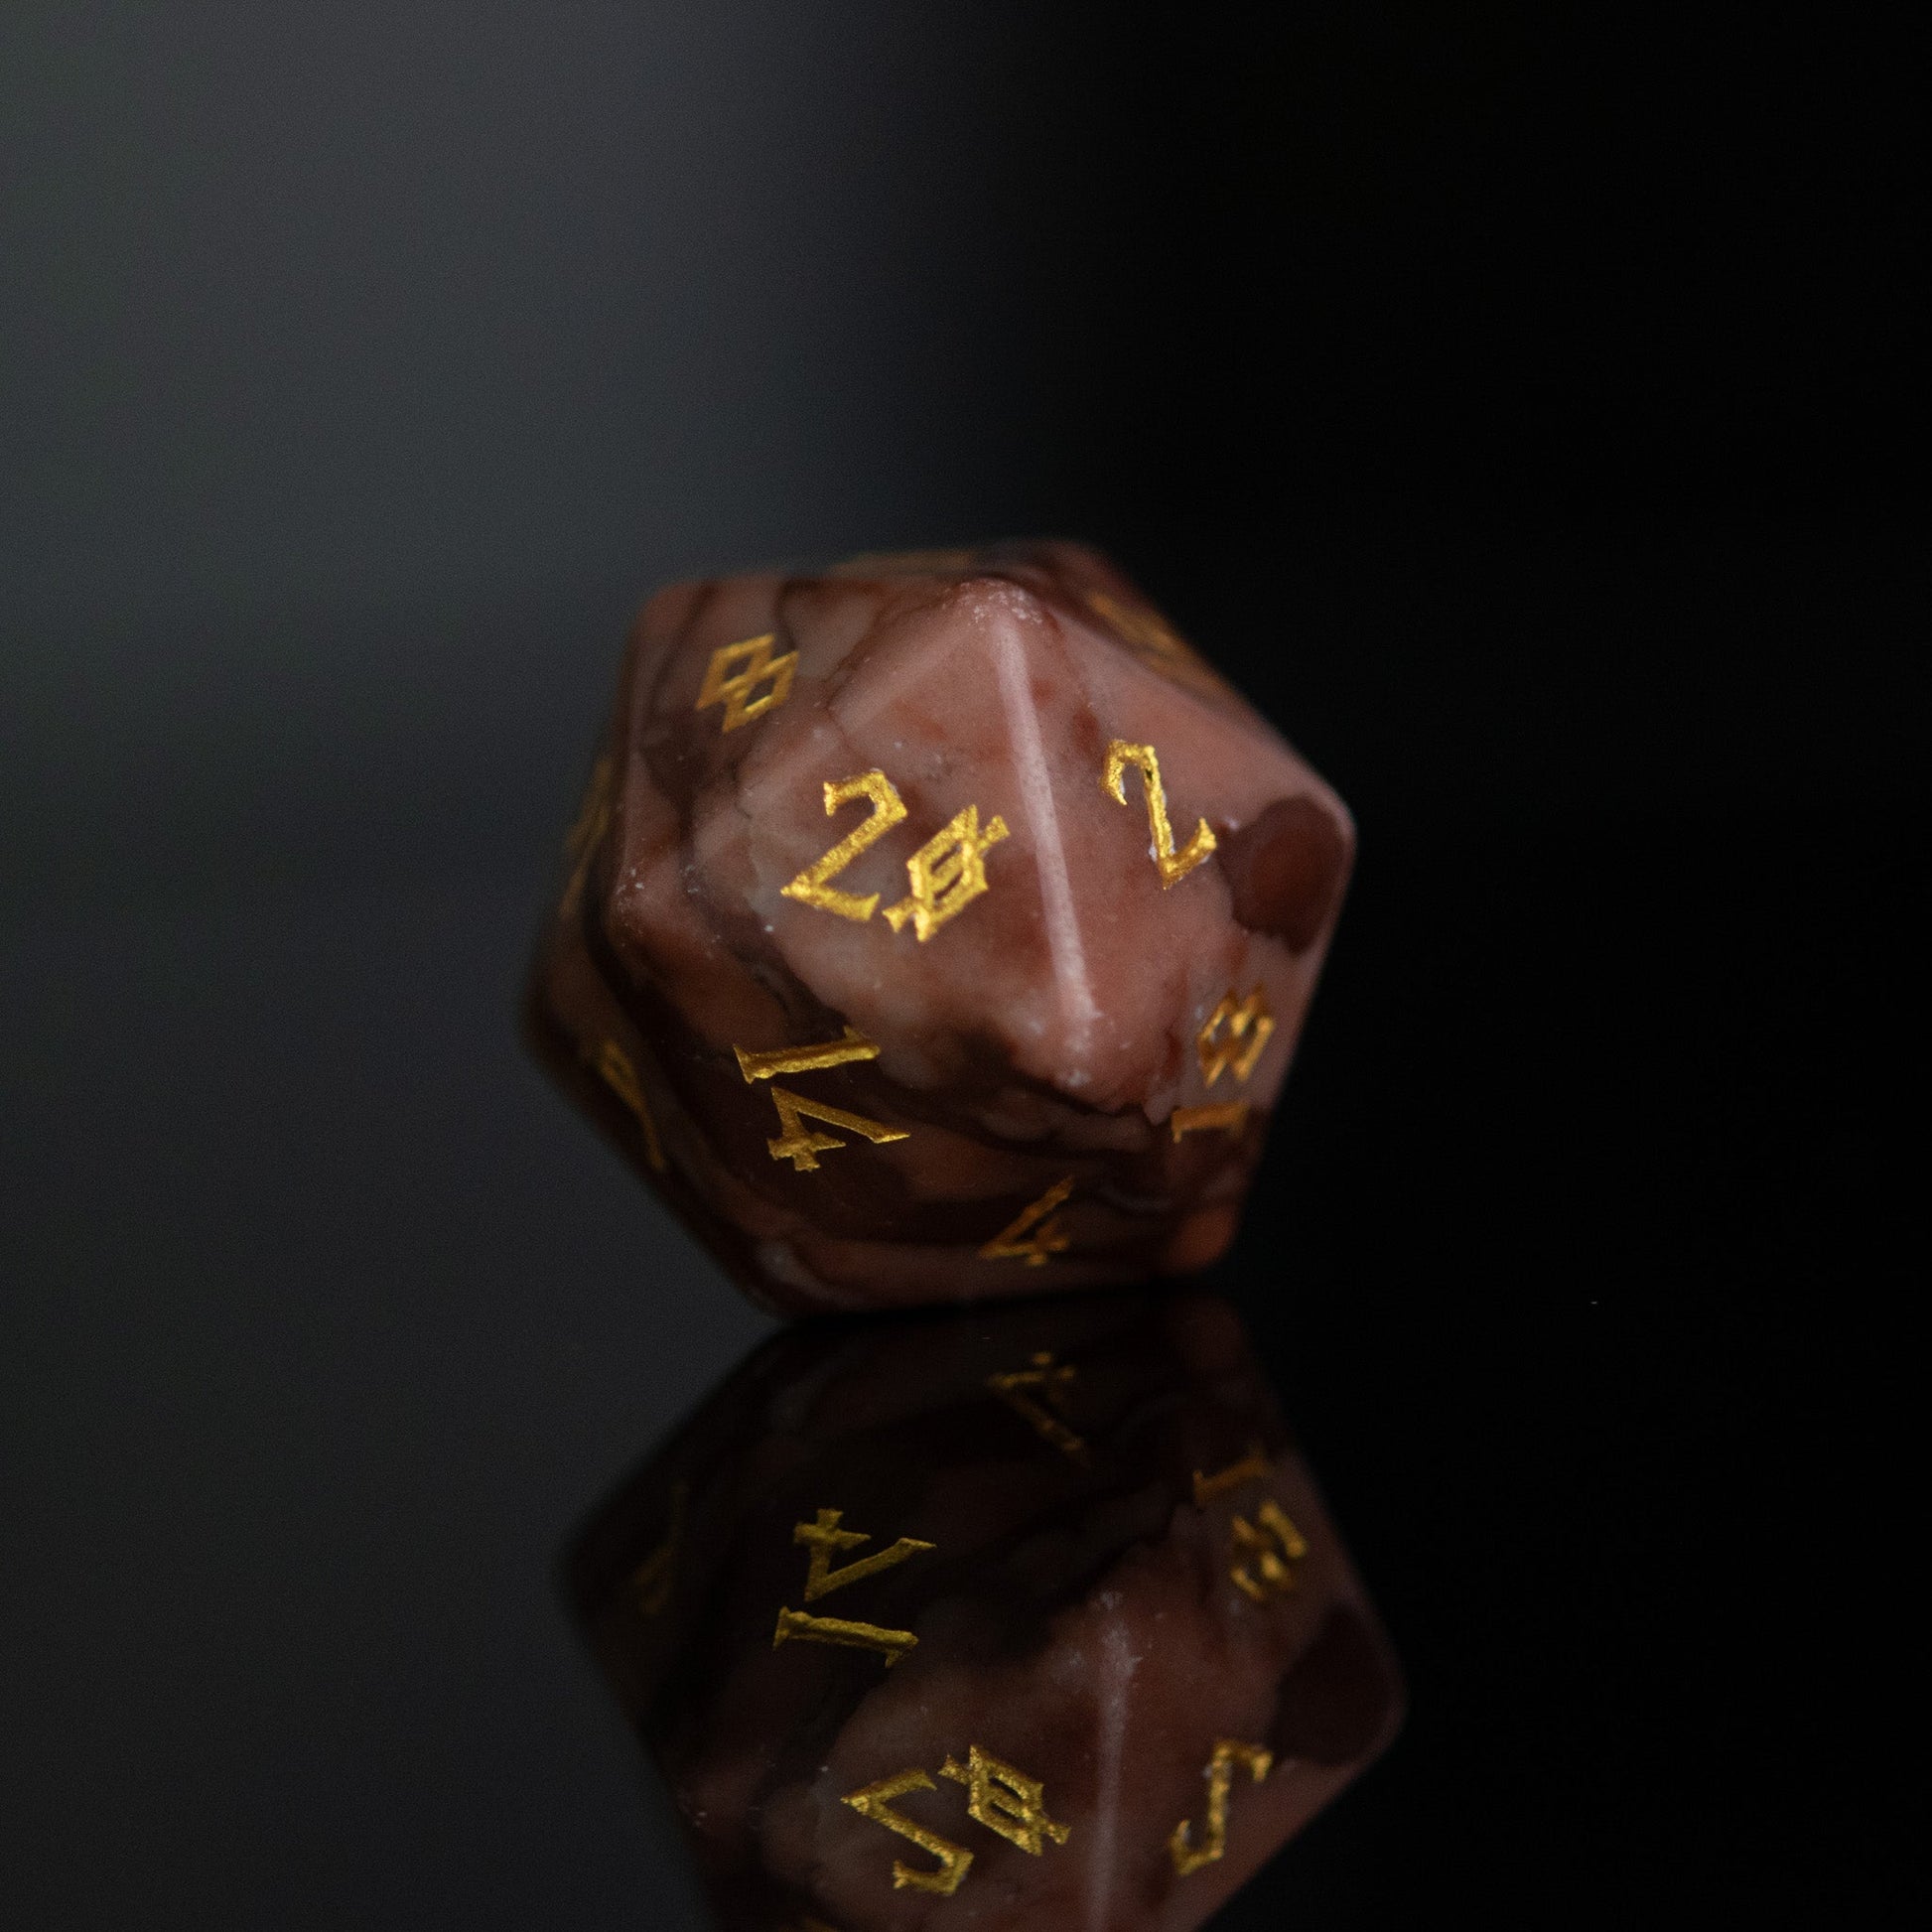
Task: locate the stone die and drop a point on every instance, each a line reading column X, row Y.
column 1030, row 1616
column 936, row 928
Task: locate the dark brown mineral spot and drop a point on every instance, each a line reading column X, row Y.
column 1341, row 1699
column 1285, row 871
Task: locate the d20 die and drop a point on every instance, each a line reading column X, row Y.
column 938, row 928
column 1031, row 1617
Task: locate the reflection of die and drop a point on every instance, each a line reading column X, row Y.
column 938, row 928
column 1027, row 1617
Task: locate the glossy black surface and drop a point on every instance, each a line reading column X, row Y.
column 1093, row 1589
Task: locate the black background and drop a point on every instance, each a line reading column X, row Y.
column 1522, row 402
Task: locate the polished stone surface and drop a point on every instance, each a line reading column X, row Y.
column 938, row 928
column 1030, row 1616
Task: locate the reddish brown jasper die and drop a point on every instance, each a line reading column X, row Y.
column 1019, row 1618
column 938, row 928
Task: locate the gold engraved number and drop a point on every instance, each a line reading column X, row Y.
column 1023, row 1389
column 795, row 1145
column 851, row 1044
column 614, row 1068
column 1231, row 1114
column 737, row 670
column 1033, row 1233
column 1247, row 1019
column 999, row 1796
column 948, row 873
column 1005, row 1801
column 1253, row 1467
column 812, row 887
column 1173, row 866
column 801, row 1147
column 1219, row 1773
column 1259, row 1564
column 1257, row 1547
column 823, row 1537
column 875, row 1801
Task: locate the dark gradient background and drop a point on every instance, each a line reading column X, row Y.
column 1524, row 401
